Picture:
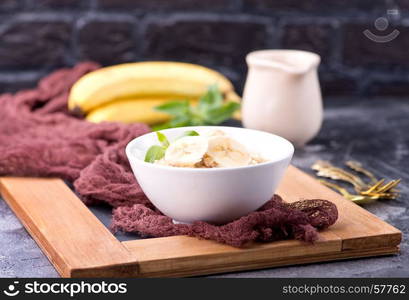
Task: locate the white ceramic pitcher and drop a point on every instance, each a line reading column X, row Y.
column 282, row 94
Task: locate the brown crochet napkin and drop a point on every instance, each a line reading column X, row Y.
column 38, row 137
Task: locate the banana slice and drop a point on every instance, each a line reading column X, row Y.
column 186, row 151
column 227, row 153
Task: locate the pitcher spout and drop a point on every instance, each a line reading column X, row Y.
column 286, row 61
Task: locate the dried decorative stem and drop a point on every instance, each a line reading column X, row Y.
column 357, row 167
column 377, row 189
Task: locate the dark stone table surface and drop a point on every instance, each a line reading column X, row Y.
column 372, row 131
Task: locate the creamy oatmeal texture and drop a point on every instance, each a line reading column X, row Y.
column 211, row 149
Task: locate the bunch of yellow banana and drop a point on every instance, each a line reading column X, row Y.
column 129, row 92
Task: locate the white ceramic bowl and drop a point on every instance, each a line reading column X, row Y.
column 215, row 195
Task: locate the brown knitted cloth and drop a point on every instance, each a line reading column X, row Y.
column 38, row 137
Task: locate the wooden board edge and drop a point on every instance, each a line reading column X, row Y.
column 128, row 268
column 352, row 254
column 217, row 256
column 62, row 268
column 370, row 242
column 125, row 270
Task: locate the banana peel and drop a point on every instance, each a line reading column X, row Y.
column 141, row 110
column 131, row 111
column 142, row 80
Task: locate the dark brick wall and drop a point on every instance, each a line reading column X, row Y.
column 37, row 36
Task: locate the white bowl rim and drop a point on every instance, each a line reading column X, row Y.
column 188, row 169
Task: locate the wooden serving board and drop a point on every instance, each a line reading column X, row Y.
column 79, row 245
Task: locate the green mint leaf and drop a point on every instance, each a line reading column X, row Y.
column 216, row 95
column 162, row 139
column 212, row 99
column 179, row 121
column 161, row 126
column 189, row 133
column 154, row 153
column 211, row 110
column 218, row 115
column 174, row 108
